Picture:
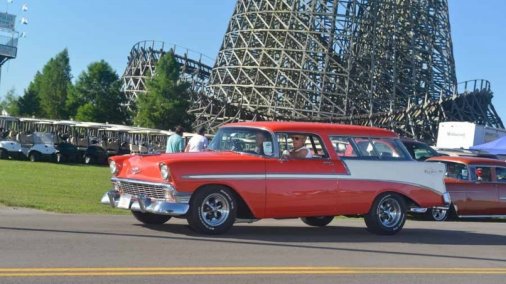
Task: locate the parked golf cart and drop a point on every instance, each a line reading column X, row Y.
column 38, row 146
column 147, row 141
column 66, row 152
column 9, row 147
column 90, row 143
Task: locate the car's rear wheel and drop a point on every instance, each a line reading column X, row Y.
column 435, row 214
column 212, row 210
column 320, row 221
column 387, row 215
column 150, row 218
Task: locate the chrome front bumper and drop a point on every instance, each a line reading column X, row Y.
column 146, row 205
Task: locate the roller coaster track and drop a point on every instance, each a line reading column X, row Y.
column 385, row 63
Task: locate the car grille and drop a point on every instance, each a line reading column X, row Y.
column 136, row 188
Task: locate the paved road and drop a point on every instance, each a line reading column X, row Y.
column 41, row 247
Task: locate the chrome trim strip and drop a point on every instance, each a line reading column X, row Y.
column 264, row 176
column 229, row 176
column 298, row 176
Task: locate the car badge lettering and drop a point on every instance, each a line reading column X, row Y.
column 135, row 170
column 432, row 171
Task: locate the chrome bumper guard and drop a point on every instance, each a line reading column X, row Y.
column 417, row 210
column 146, row 205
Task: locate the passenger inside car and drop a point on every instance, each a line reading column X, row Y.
column 263, row 143
column 483, row 174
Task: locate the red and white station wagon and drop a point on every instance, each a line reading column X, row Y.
column 255, row 170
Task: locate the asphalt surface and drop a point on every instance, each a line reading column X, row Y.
column 41, row 247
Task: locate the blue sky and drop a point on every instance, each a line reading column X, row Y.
column 92, row 30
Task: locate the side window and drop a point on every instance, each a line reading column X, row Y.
column 343, row 146
column 292, row 144
column 457, row 171
column 481, row 173
column 364, row 147
column 501, row 174
column 380, row 148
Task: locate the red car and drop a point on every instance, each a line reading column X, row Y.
column 477, row 187
column 255, row 170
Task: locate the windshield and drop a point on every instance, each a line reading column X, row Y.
column 244, row 140
column 43, row 138
column 420, row 151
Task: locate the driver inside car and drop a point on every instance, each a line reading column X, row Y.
column 299, row 150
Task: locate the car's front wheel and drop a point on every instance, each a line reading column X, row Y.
column 387, row 215
column 320, row 221
column 212, row 210
column 34, row 157
column 150, row 218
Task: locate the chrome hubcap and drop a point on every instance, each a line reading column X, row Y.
column 389, row 212
column 439, row 214
column 215, row 209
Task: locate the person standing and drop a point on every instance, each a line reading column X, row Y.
column 197, row 143
column 175, row 143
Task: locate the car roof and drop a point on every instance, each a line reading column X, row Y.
column 411, row 140
column 466, row 153
column 340, row 129
column 468, row 160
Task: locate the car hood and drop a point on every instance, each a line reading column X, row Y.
column 147, row 167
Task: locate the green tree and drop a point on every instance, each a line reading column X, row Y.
column 29, row 104
column 10, row 103
column 54, row 86
column 166, row 101
column 97, row 95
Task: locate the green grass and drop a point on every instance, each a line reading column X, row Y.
column 55, row 187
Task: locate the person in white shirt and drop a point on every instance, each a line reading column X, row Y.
column 300, row 151
column 197, row 143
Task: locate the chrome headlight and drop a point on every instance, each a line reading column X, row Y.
column 113, row 167
column 164, row 171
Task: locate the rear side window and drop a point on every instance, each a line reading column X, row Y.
column 501, row 174
column 369, row 148
column 343, row 146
